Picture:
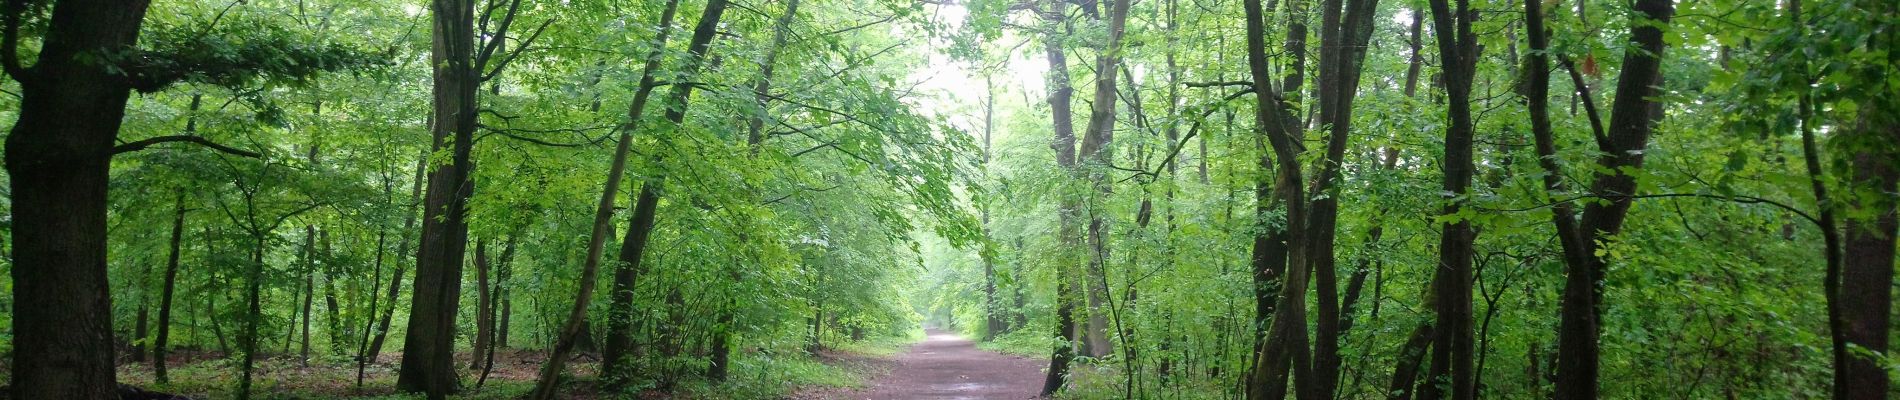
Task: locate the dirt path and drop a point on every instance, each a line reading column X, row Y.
column 946, row 366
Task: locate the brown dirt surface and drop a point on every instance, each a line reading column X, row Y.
column 949, row 367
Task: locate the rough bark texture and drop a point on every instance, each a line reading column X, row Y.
column 1867, row 273
column 57, row 160
column 1096, row 156
column 1062, row 115
column 428, row 359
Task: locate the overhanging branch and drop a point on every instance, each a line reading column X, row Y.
column 200, row 140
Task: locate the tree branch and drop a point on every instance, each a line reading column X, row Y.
column 10, row 40
column 142, row 144
column 518, row 50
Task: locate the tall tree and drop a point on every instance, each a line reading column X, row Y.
column 459, row 68
column 1453, row 361
column 1631, row 122
column 1061, row 111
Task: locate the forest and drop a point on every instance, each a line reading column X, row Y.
column 948, row 199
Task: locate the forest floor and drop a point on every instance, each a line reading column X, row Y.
column 946, row 366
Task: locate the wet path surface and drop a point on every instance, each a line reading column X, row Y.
column 947, row 366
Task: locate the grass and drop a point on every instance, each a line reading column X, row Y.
column 755, row 374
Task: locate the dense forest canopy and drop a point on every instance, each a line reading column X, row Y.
column 1315, row 199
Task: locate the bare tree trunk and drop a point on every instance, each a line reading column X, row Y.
column 1061, row 111
column 1453, row 358
column 1867, row 275
column 58, row 159
column 484, row 326
column 429, row 343
column 170, row 286
column 402, row 251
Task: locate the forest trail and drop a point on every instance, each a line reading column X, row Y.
column 947, row 366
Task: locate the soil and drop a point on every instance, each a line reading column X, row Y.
column 949, row 367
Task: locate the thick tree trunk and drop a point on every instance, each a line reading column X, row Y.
column 57, row 160
column 1628, row 134
column 1061, row 111
column 428, row 359
column 1096, row 156
column 1867, row 275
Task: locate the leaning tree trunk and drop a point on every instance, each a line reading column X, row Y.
column 402, row 251
column 170, row 285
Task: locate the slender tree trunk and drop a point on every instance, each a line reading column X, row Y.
column 1346, row 26
column 170, row 286
column 141, row 324
column 1283, row 351
column 58, row 161
column 1453, row 359
column 502, row 292
column 402, row 251
column 641, row 226
column 620, row 323
column 1628, row 133
column 253, row 314
column 309, row 291
column 484, row 326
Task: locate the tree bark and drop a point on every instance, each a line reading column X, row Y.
column 1345, row 29
column 1096, row 156
column 484, row 305
column 1628, row 134
column 58, row 161
column 1062, row 113
column 429, row 343
column 1867, row 273
column 1282, row 352
column 402, row 251
column 1453, row 358
column 170, row 286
